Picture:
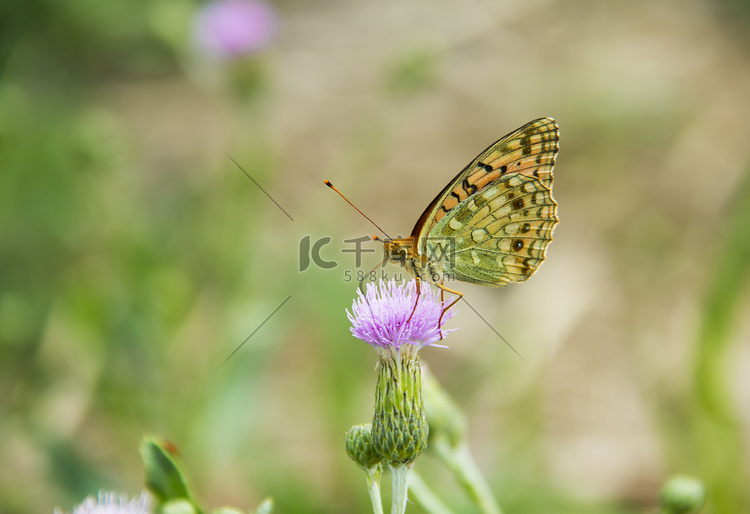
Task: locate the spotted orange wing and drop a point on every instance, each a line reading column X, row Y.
column 530, row 150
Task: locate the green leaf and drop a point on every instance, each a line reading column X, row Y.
column 165, row 478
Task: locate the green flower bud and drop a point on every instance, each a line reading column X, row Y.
column 399, row 426
column 360, row 448
column 266, row 507
column 682, row 494
column 180, row 506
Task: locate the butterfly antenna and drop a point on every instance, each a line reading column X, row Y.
column 328, row 183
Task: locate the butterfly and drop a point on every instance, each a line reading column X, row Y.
column 492, row 223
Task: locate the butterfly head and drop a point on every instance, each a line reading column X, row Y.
column 403, row 251
column 399, row 250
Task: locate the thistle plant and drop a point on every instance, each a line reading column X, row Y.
column 391, row 319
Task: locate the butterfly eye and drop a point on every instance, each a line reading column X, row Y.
column 398, row 255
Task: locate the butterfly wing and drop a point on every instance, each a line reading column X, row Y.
column 530, row 150
column 498, row 234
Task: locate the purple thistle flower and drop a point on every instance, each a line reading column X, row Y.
column 113, row 503
column 229, row 28
column 379, row 317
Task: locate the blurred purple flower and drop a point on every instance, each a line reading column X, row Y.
column 379, row 317
column 230, row 28
column 113, row 503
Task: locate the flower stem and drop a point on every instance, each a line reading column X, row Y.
column 400, row 474
column 373, row 487
column 425, row 497
column 462, row 465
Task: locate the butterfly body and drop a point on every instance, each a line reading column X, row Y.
column 401, row 251
column 492, row 223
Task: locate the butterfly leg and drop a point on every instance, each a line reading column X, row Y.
column 454, row 302
column 415, row 303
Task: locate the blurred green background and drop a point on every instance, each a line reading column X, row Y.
column 135, row 256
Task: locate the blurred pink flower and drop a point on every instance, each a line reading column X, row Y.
column 113, row 503
column 230, row 28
